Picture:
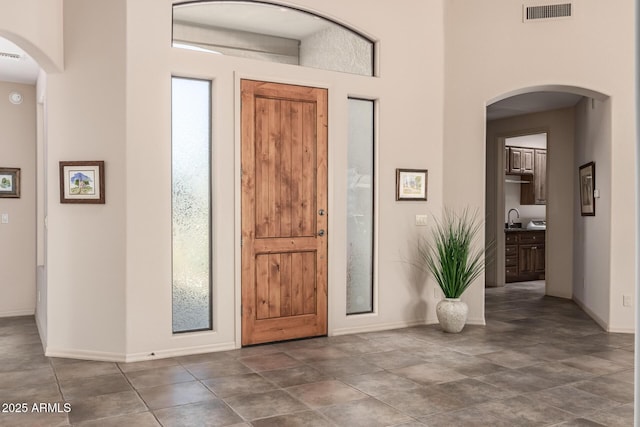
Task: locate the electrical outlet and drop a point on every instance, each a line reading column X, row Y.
column 421, row 220
column 626, row 301
column 5, row 218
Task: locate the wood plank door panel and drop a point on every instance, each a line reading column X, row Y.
column 284, row 189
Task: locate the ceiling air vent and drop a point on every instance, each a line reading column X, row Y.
column 544, row 12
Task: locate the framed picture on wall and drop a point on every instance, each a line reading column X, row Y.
column 10, row 183
column 411, row 184
column 587, row 177
column 82, row 182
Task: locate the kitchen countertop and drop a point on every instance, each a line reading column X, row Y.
column 510, row 230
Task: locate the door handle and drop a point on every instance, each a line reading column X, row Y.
column 321, row 233
column 321, row 212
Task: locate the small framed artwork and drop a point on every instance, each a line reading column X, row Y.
column 411, row 184
column 10, row 183
column 587, row 176
column 82, row 182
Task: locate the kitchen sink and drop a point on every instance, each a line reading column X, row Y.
column 515, row 225
column 537, row 224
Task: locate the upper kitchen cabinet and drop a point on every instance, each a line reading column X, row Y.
column 531, row 165
column 507, row 163
column 540, row 177
column 521, row 160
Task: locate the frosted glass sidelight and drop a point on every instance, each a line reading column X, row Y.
column 191, row 203
column 360, row 196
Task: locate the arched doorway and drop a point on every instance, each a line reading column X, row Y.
column 576, row 122
column 22, row 271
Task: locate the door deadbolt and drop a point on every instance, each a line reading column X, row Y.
column 321, row 212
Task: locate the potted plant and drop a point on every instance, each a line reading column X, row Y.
column 455, row 260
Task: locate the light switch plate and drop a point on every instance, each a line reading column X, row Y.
column 5, row 218
column 626, row 301
column 422, row 219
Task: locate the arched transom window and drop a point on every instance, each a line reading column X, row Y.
column 271, row 33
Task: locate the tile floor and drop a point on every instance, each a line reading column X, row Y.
column 539, row 362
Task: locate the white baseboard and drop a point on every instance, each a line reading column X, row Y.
column 175, row 352
column 396, row 325
column 476, row 321
column 604, row 325
column 376, row 328
column 102, row 356
column 16, row 313
column 621, row 331
column 431, row 320
column 479, row 321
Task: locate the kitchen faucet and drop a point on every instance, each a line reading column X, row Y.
column 509, row 215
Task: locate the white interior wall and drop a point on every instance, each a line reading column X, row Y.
column 18, row 237
column 592, row 243
column 482, row 65
column 41, row 208
column 86, row 116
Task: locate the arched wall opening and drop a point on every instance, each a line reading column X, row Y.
column 23, row 272
column 47, row 64
column 578, row 128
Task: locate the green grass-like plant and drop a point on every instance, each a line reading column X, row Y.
column 450, row 257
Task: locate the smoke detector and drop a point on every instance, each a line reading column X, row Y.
column 15, row 98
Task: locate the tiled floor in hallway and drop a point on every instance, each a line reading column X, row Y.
column 539, row 362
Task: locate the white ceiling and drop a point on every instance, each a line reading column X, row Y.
column 24, row 70
column 533, row 102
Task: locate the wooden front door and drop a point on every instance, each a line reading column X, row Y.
column 284, row 204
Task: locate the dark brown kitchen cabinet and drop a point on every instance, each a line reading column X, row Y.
column 530, row 260
column 506, row 160
column 540, row 177
column 521, row 160
column 524, row 255
column 533, row 190
column 511, row 262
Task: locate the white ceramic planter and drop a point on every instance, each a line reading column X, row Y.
column 452, row 314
